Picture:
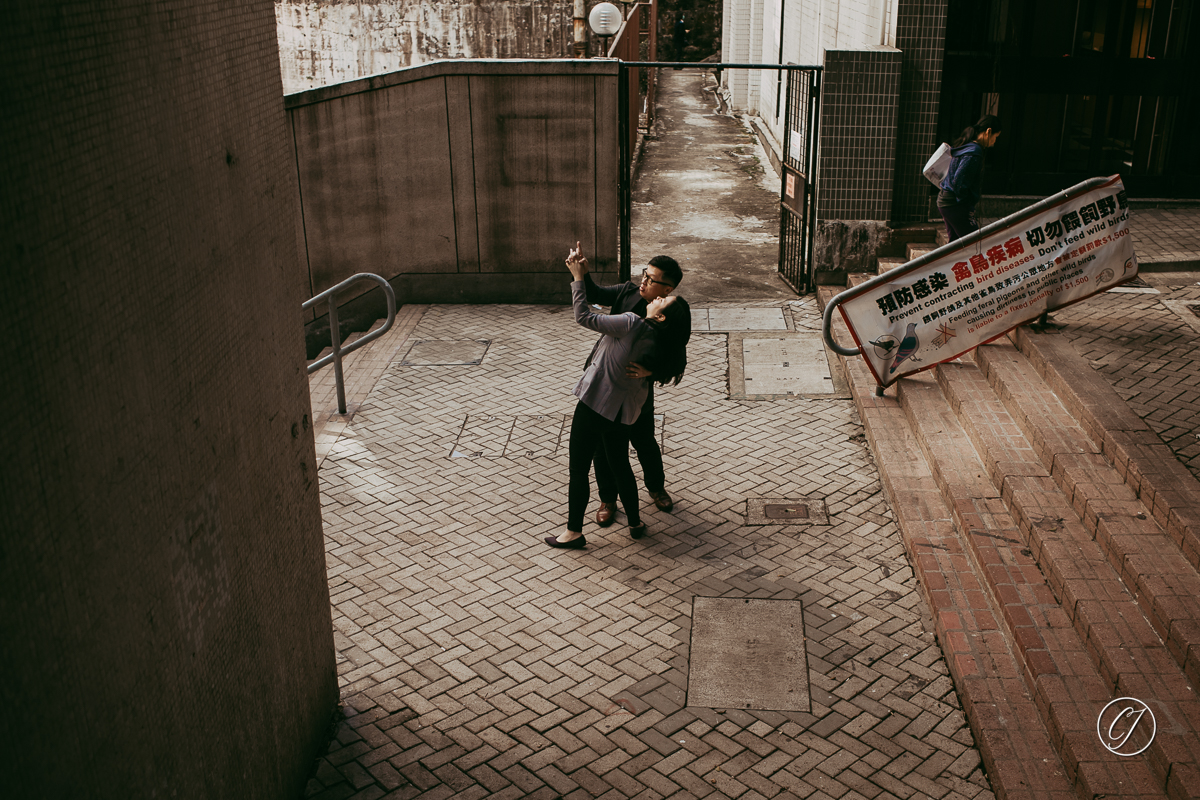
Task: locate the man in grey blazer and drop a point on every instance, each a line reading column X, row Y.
column 658, row 279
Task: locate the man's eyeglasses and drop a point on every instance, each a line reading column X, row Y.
column 647, row 279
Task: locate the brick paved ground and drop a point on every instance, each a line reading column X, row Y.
column 1165, row 236
column 1146, row 345
column 475, row 661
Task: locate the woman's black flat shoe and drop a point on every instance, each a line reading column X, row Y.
column 637, row 531
column 574, row 544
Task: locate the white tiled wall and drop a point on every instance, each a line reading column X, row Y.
column 810, row 27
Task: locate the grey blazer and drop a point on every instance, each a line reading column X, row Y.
column 604, row 387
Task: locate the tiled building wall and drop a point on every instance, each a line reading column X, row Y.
column 735, row 48
column 920, row 31
column 859, row 107
column 166, row 621
column 754, row 84
column 808, row 28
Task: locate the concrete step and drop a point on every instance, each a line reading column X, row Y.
column 1147, row 465
column 890, row 262
column 352, row 337
column 1165, row 583
column 1017, row 747
column 916, row 250
column 1053, row 587
column 1005, row 596
column 1097, row 552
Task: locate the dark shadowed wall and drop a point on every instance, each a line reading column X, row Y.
column 461, row 181
column 164, row 615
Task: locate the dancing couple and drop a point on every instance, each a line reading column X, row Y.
column 644, row 341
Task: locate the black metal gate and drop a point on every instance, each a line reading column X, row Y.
column 798, row 192
column 798, row 195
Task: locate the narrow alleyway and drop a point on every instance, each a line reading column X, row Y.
column 706, row 196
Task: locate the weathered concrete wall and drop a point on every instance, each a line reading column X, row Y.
column 164, row 614
column 323, row 42
column 461, row 181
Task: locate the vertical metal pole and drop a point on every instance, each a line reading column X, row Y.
column 580, row 29
column 336, row 335
column 625, row 192
column 814, row 138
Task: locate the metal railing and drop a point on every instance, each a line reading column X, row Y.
column 1028, row 211
column 336, row 334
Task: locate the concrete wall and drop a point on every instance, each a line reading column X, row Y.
column 164, row 614
column 461, row 181
column 323, row 42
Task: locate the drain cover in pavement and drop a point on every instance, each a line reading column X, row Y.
column 748, row 653
column 738, row 319
column 436, row 353
column 787, row 365
column 786, row 511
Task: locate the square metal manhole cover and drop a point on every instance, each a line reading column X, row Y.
column 791, row 365
column 786, row 511
column 439, row 352
column 748, row 653
column 738, row 319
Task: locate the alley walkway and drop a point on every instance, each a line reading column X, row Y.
column 475, row 661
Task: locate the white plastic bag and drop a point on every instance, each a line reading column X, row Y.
column 938, row 165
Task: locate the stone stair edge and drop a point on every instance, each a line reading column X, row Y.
column 1169, row 491
column 1058, row 669
column 362, row 369
column 1152, row 564
column 1017, row 747
column 1115, row 621
column 876, row 418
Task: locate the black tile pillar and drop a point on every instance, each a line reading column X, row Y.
column 858, row 133
column 920, row 37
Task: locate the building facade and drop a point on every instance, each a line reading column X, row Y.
column 1084, row 88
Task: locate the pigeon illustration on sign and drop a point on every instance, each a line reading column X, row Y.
column 908, row 346
column 884, row 345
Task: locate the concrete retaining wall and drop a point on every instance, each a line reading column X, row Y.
column 164, row 613
column 460, row 181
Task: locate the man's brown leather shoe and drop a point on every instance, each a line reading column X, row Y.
column 605, row 514
column 662, row 500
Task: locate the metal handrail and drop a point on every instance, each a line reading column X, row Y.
column 336, row 334
column 971, row 238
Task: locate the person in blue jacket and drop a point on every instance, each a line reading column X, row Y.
column 963, row 184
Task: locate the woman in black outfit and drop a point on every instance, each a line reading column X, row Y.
column 610, row 400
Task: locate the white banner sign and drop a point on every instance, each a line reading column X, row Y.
column 936, row 312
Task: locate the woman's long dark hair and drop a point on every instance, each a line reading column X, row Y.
column 663, row 348
column 971, row 132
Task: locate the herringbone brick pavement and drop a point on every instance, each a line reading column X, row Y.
column 1148, row 350
column 476, row 662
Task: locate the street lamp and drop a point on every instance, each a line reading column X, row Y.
column 605, row 20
